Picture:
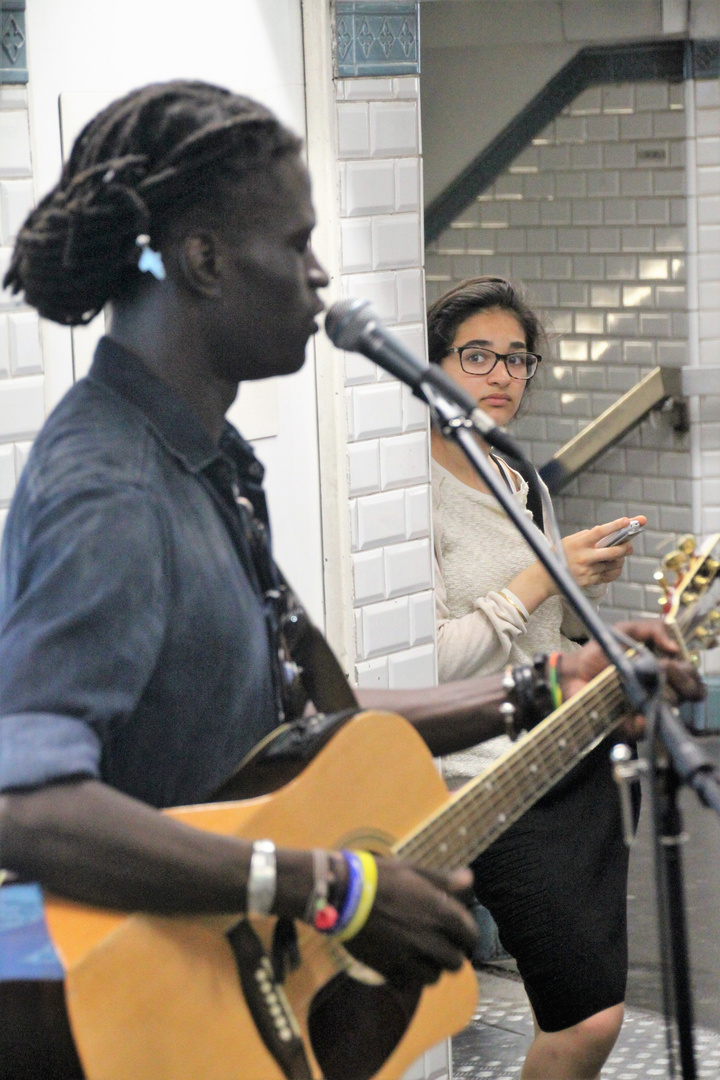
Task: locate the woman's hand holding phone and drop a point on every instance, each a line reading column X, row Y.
column 591, row 562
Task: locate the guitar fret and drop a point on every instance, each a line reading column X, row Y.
column 491, row 802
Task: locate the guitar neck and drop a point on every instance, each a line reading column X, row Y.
column 486, row 806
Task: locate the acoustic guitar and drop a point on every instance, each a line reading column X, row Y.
column 153, row 998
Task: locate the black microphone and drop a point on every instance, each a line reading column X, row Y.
column 352, row 325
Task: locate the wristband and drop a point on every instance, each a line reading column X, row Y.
column 354, row 890
column 367, row 897
column 262, row 879
column 553, row 681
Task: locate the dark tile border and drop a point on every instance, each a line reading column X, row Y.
column 13, row 42
column 376, row 38
column 591, row 66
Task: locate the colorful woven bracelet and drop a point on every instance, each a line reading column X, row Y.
column 354, row 891
column 367, row 897
column 553, row 682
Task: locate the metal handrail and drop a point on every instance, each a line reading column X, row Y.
column 620, row 418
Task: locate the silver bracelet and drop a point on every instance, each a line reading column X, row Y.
column 262, row 879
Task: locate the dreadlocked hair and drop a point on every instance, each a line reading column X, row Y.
column 136, row 166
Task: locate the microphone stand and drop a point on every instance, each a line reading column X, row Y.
column 679, row 758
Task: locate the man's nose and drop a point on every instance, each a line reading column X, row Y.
column 317, row 275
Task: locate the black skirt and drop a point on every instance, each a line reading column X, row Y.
column 556, row 885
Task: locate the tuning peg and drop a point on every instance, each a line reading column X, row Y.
column 711, row 566
column 662, row 582
column 713, row 617
column 702, row 633
column 688, row 598
column 687, row 544
column 674, row 560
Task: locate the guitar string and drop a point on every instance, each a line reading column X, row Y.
column 467, row 811
column 489, row 792
column 476, row 809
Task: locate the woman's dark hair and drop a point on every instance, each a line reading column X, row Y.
column 133, row 169
column 466, row 299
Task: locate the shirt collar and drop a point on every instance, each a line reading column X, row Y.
column 168, row 414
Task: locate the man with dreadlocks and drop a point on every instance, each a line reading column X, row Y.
column 138, row 646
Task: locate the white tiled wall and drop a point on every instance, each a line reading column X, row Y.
column 22, row 406
column 591, row 218
column 388, row 454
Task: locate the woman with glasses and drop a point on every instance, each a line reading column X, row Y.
column 555, row 883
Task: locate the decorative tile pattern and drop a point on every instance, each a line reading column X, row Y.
column 13, row 42
column 377, row 39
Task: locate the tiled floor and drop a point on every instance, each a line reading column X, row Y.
column 493, row 1047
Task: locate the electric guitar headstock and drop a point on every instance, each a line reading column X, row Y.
column 691, row 584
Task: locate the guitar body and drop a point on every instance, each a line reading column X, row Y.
column 152, row 997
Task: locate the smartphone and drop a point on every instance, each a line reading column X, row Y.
column 621, row 535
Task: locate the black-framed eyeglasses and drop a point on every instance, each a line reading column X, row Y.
column 476, row 360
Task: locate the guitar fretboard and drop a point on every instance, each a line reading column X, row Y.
column 486, row 806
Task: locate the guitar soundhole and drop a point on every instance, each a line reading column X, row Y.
column 355, row 1027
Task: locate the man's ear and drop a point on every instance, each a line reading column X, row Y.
column 199, row 263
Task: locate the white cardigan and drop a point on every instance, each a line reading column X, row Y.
column 480, row 629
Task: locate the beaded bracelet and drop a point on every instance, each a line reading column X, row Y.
column 367, row 897
column 354, row 891
column 529, row 696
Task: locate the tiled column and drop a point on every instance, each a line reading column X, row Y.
column 22, row 407
column 388, row 453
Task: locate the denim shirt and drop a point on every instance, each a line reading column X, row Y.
column 133, row 641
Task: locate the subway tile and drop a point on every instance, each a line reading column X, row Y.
column 638, row 239
column 406, row 86
column 386, row 626
column 639, row 352
column 653, row 212
column 7, row 473
column 678, row 269
column 589, row 156
column 669, row 182
column 707, row 93
column 641, row 462
column 544, row 294
column 602, row 128
column 407, row 184
column 622, row 378
column 542, row 241
column 526, row 267
column 587, row 103
column 618, row 98
column 636, row 182
column 671, row 296
column 636, row 126
column 669, row 125
column 368, row 89
column 671, row 353
column 651, row 96
column 364, row 467
column 655, row 325
column 22, row 407
column 605, row 296
column 573, row 294
column 709, row 324
column 560, row 322
column 575, row 404
column 511, row 187
column 627, row 487
column 525, row 213
column 589, row 323
column 356, row 245
column 710, row 464
column 621, row 325
column 678, row 154
column 496, row 265
column 591, row 378
column 573, row 350
column 619, row 211
column 4, row 347
column 540, row 185
column 25, row 348
column 561, row 429
column 368, row 576
column 15, row 159
column 572, row 240
column 353, row 130
column 393, row 129
column 604, row 239
column 379, row 289
column 708, row 239
column 375, row 410
column 570, row 129
column 408, row 567
column 410, row 301
column 607, row 351
column 22, row 452
column 708, row 151
column 369, row 187
column 527, row 160
column 510, row 241
column 16, row 201
column 594, row 486
column 670, row 239
column 562, row 377
column 373, row 674
column 570, row 185
column 381, row 519
column 396, row 241
column 619, row 154
column 707, row 122
column 637, row 296
column 414, row 669
column 422, row 617
column 495, row 215
column 709, row 210
column 603, row 184
column 404, row 460
column 588, row 267
column 557, row 267
column 708, row 180
column 553, row 158
column 676, row 518
column 417, row 511
column 587, row 212
column 415, row 413
column 653, row 269
column 359, row 370
column 708, row 295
